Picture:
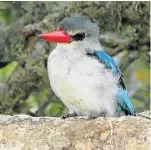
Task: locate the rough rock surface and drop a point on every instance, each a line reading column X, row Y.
column 46, row 133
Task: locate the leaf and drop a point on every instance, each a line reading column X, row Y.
column 6, row 72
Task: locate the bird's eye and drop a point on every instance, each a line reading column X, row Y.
column 78, row 37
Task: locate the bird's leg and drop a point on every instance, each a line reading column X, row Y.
column 97, row 116
column 92, row 117
column 69, row 115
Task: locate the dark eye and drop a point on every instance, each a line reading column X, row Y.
column 78, row 37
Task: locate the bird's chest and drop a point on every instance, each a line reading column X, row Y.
column 64, row 67
column 67, row 74
column 58, row 66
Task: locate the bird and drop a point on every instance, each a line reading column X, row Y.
column 82, row 75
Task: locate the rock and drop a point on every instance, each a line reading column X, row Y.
column 23, row 132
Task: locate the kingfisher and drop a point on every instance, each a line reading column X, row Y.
column 82, row 75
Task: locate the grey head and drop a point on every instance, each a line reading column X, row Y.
column 79, row 28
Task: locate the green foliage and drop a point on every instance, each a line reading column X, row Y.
column 32, row 104
column 24, row 83
column 6, row 72
column 55, row 109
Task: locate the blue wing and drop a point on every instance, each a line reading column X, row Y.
column 110, row 63
column 122, row 97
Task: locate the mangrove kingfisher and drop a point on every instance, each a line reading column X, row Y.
column 82, row 75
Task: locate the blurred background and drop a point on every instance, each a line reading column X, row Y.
column 24, row 84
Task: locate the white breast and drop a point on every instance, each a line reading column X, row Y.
column 82, row 83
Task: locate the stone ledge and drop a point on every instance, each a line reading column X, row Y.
column 23, row 132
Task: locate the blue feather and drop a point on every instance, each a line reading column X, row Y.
column 124, row 101
column 110, row 63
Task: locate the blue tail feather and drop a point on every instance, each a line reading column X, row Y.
column 124, row 101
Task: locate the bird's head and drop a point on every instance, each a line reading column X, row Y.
column 74, row 31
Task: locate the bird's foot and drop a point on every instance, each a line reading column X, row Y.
column 69, row 115
column 96, row 116
column 92, row 117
